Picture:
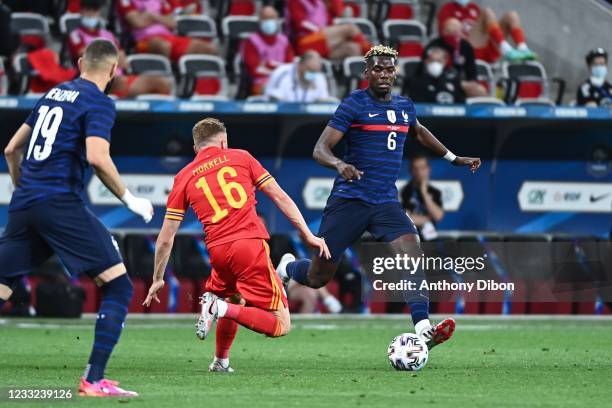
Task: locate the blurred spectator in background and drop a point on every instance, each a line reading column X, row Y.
column 422, row 201
column 9, row 41
column 433, row 81
column 122, row 85
column 310, row 24
column 308, row 298
column 300, row 81
column 486, row 34
column 152, row 23
column 462, row 57
column 595, row 91
column 265, row 50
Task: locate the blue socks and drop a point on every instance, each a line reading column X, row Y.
column 417, row 299
column 117, row 295
column 298, row 271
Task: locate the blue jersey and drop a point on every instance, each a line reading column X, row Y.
column 375, row 132
column 54, row 160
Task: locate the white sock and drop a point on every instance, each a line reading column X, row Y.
column 505, row 47
column 223, row 361
column 522, row 47
column 221, row 308
column 421, row 326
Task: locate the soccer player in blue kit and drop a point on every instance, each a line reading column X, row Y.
column 375, row 125
column 70, row 127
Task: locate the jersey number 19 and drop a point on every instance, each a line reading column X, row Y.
column 47, row 124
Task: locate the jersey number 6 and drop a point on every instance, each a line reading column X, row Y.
column 229, row 188
column 391, row 143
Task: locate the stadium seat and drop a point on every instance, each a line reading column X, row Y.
column 352, row 70
column 196, row 26
column 401, row 9
column 485, row 100
column 151, row 64
column 534, row 102
column 23, row 72
column 365, row 25
column 484, row 76
column 328, row 70
column 236, row 29
column 3, row 78
column 32, row 28
column 406, row 36
column 237, row 7
column 202, row 75
column 407, row 67
column 530, row 77
column 358, row 8
column 69, row 22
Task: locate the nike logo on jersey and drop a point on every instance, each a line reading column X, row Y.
column 373, row 114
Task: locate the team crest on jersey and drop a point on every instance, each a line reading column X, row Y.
column 405, row 116
column 391, row 116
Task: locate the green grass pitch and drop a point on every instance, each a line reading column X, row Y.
column 323, row 363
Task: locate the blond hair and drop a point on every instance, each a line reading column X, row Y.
column 204, row 130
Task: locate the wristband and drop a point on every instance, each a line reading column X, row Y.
column 450, row 156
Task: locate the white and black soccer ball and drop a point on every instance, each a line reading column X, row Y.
column 408, row 352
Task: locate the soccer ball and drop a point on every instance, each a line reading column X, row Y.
column 408, row 352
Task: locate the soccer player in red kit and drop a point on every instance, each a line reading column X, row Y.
column 243, row 288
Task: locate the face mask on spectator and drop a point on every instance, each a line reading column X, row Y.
column 599, row 71
column 435, row 68
column 90, row 22
column 310, row 76
column 269, row 27
column 463, row 2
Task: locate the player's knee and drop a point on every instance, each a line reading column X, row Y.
column 512, row 18
column 285, row 325
column 489, row 15
column 5, row 291
column 121, row 288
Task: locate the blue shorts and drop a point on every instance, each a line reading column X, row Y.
column 62, row 225
column 346, row 219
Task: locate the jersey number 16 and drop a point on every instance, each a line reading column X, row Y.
column 229, row 189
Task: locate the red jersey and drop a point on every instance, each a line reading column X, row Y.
column 467, row 15
column 219, row 185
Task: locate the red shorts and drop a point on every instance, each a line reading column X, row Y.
column 489, row 53
column 315, row 41
column 244, row 267
column 178, row 45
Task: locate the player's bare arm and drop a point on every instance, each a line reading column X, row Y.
column 324, row 156
column 287, row 206
column 163, row 248
column 427, row 139
column 14, row 151
column 98, row 157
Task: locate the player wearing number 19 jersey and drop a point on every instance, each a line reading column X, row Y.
column 69, row 128
column 375, row 124
column 219, row 185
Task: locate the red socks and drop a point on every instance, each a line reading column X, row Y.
column 517, row 35
column 496, row 33
column 255, row 319
column 226, row 331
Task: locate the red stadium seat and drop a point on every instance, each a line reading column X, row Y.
column 140, row 293
column 530, row 78
column 92, row 298
column 203, row 75
column 406, row 36
column 242, row 8
column 401, row 9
